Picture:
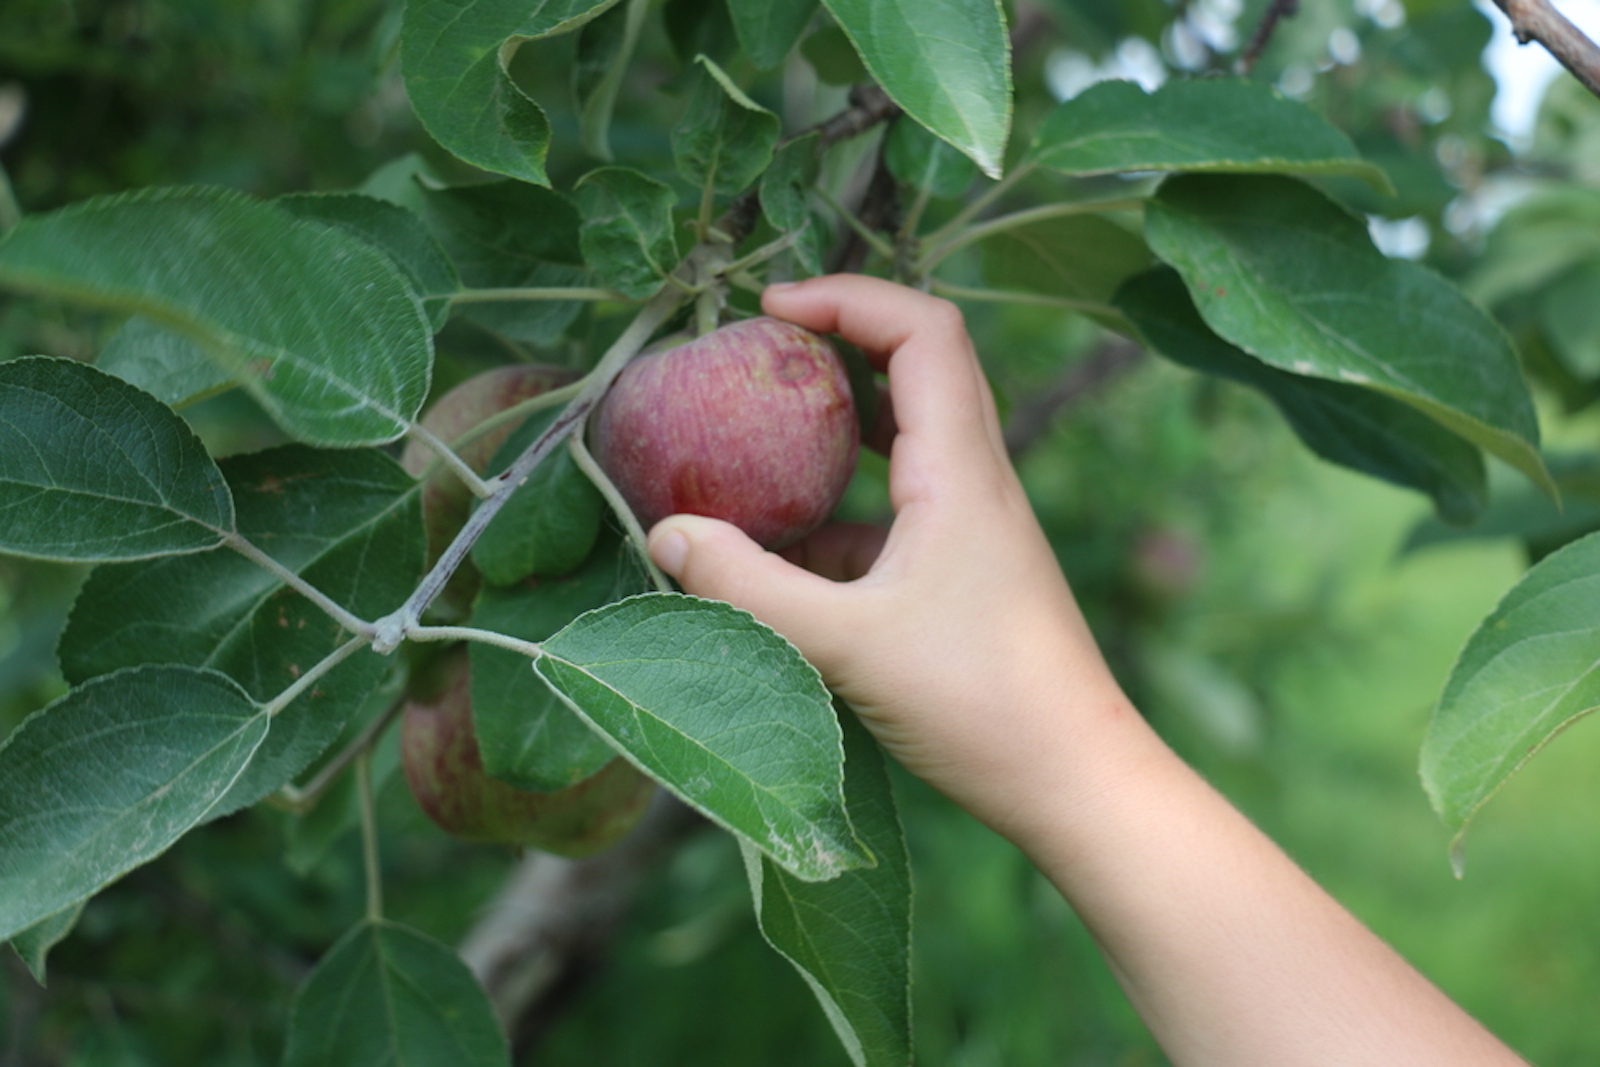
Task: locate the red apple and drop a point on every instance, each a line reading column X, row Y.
column 439, row 752
column 446, row 501
column 752, row 423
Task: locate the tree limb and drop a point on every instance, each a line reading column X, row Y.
column 554, row 919
column 1538, row 20
column 1276, row 12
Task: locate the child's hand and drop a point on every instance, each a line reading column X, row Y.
column 953, row 633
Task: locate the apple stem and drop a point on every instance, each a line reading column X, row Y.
column 630, row 522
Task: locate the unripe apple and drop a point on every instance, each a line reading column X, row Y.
column 446, row 500
column 443, row 766
column 752, row 423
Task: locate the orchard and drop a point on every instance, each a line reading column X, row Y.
column 349, row 351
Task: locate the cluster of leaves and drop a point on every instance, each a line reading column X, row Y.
column 243, row 612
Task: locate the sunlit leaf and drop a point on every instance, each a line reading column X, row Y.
column 723, row 712
column 1345, row 424
column 1203, row 124
column 1283, row 273
column 315, row 322
column 850, row 938
column 1530, row 669
column 946, row 62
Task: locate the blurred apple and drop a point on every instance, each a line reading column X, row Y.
column 439, row 752
column 446, row 500
column 752, row 423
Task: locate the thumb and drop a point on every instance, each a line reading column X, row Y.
column 715, row 559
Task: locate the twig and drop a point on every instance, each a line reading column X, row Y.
column 1537, row 20
column 554, row 919
column 1029, row 421
column 1276, row 12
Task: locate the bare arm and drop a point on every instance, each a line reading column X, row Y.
column 956, row 638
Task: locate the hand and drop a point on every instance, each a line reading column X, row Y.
column 953, row 633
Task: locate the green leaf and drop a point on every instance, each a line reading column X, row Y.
column 1538, row 240
column 850, row 938
column 167, row 365
column 526, row 734
column 1531, row 669
column 316, row 323
column 550, row 523
column 93, row 469
column 1522, row 513
column 454, row 55
column 34, row 944
column 724, row 140
column 786, row 185
column 385, row 995
column 723, row 712
column 108, row 777
column 1345, row 424
column 1207, row 124
column 348, row 522
column 1571, row 319
column 919, row 159
column 699, row 28
column 627, row 233
column 768, row 29
column 1280, row 271
column 391, row 229
column 946, row 62
column 509, row 234
column 833, row 57
column 1077, row 257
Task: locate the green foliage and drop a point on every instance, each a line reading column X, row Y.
column 382, row 198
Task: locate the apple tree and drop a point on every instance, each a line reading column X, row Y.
column 595, row 175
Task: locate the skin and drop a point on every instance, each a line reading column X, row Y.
column 956, row 638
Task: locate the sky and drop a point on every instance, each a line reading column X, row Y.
column 1523, row 72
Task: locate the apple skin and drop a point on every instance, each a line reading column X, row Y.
column 439, row 754
column 752, row 423
column 446, row 501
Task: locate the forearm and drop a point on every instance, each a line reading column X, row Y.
column 1231, row 954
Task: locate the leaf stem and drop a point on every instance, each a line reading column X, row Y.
column 979, row 205
column 531, row 649
column 490, row 296
column 630, row 522
column 1000, row 296
column 873, row 240
column 242, row 545
column 311, row 677
column 369, row 837
column 302, row 800
column 936, row 253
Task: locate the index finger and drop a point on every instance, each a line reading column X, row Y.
column 920, row 340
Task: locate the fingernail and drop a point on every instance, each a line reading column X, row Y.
column 670, row 550
column 778, row 287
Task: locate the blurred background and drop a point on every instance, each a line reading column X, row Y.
column 1286, row 624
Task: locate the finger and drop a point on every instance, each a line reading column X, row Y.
column 715, row 559
column 936, row 385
